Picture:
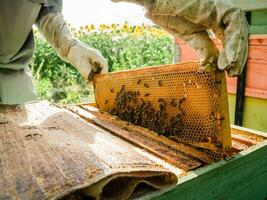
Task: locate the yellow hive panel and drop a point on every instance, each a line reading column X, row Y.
column 177, row 101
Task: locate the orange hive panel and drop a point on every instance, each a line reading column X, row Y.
column 177, row 101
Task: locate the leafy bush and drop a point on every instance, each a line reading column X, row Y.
column 125, row 47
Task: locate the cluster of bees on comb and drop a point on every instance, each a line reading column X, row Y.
column 133, row 107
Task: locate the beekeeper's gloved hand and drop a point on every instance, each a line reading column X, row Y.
column 86, row 60
column 190, row 20
column 227, row 22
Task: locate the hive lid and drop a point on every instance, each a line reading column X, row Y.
column 49, row 153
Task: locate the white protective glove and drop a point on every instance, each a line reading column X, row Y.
column 190, row 20
column 228, row 23
column 86, row 60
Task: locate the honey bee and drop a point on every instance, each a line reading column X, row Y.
column 162, row 105
column 146, row 95
column 177, row 103
column 146, row 85
column 160, row 99
column 122, row 88
column 173, row 103
column 181, row 100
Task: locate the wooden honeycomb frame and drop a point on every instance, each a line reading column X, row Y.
column 206, row 117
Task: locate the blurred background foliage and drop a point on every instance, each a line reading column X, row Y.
column 125, row 47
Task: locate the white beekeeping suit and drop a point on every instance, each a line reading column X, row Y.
column 191, row 20
column 17, row 46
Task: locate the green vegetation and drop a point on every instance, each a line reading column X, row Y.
column 125, row 47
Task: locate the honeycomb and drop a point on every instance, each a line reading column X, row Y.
column 177, row 101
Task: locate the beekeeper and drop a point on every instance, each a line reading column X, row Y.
column 17, row 46
column 191, row 21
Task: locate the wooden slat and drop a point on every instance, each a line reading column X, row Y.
column 259, row 18
column 258, row 29
column 256, row 85
column 225, row 121
column 243, row 140
column 249, row 133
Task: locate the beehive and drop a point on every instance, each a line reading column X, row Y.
column 177, row 101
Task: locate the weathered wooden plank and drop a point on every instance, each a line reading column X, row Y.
column 258, row 52
column 258, row 40
column 258, row 29
column 243, row 177
column 259, row 17
column 243, row 140
column 251, row 133
column 256, row 85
